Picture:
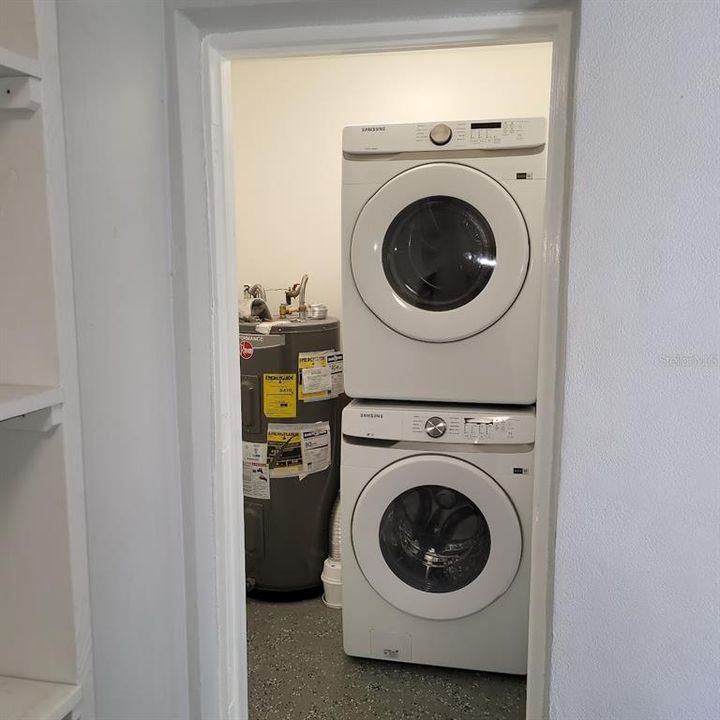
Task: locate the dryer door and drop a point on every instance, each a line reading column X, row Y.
column 436, row 537
column 440, row 252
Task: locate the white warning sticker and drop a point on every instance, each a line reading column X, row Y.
column 316, row 379
column 298, row 449
column 321, row 375
column 256, row 477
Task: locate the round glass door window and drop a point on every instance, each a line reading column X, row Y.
column 434, row 539
column 439, row 253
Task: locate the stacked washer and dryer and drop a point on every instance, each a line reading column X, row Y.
column 442, row 259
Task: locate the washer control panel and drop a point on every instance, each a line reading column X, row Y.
column 502, row 134
column 459, row 424
column 494, row 428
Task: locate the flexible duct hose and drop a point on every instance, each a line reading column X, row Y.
column 335, row 532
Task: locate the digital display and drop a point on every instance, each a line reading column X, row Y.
column 485, row 126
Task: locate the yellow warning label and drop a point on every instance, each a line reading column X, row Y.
column 317, row 364
column 285, row 453
column 320, row 375
column 280, row 395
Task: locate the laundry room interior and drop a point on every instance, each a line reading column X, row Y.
column 389, row 228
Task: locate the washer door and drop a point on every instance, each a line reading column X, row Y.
column 440, row 252
column 436, row 537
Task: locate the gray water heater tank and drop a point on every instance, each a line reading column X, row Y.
column 292, row 396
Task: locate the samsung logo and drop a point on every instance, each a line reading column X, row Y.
column 371, row 415
column 374, row 128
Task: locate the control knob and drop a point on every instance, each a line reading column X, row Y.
column 435, row 427
column 441, row 134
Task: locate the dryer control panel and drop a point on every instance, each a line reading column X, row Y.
column 502, row 134
column 459, row 424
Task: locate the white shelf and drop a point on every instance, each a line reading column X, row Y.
column 13, row 64
column 16, row 400
column 34, row 700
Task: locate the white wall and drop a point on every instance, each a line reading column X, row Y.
column 636, row 629
column 113, row 78
column 288, row 116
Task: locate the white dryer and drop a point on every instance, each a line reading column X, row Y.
column 436, row 520
column 442, row 251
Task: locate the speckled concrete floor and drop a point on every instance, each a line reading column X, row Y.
column 298, row 671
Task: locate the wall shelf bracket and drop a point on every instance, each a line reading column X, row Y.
column 19, row 94
column 41, row 421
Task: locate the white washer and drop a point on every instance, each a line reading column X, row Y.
column 442, row 251
column 436, row 519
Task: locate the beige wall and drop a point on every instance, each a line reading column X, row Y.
column 288, row 120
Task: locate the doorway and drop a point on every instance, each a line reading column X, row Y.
column 288, row 115
column 209, row 109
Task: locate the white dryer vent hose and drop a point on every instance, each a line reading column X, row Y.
column 335, row 532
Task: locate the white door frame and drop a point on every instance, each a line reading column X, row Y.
column 207, row 333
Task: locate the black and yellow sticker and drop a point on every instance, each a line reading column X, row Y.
column 280, row 395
